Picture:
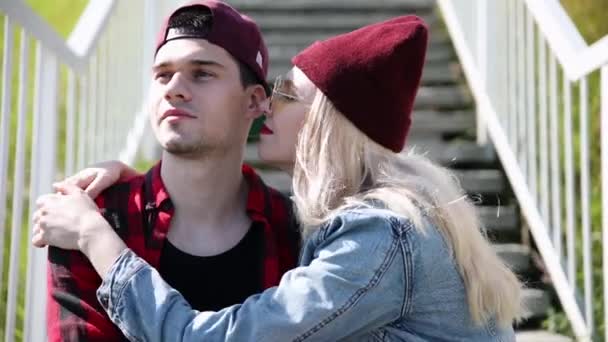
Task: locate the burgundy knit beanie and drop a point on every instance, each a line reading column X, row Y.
column 371, row 75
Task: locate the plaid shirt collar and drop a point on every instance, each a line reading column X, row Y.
column 265, row 206
column 257, row 205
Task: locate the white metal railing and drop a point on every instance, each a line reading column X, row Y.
column 531, row 74
column 77, row 102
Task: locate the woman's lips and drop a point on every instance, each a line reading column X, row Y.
column 265, row 130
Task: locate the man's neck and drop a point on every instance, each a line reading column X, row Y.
column 205, row 190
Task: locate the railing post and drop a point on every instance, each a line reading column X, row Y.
column 150, row 148
column 5, row 122
column 482, row 62
column 604, row 175
column 43, row 173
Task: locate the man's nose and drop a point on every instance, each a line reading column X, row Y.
column 177, row 89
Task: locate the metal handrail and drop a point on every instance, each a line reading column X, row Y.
column 513, row 65
column 104, row 65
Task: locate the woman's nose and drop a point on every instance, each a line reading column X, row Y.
column 266, row 106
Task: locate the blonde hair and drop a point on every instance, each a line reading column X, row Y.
column 337, row 167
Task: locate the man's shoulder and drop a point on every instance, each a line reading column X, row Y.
column 273, row 198
column 279, row 198
column 120, row 202
column 282, row 210
column 277, row 206
column 121, row 191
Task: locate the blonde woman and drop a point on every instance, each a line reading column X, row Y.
column 393, row 250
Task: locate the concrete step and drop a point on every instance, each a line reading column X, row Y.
column 516, row 256
column 301, row 39
column 502, row 223
column 482, row 182
column 442, row 98
column 460, row 154
column 472, row 181
column 434, row 74
column 327, row 5
column 442, row 122
column 540, row 336
column 536, row 304
column 329, row 22
column 455, row 155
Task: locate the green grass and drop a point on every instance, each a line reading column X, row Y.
column 589, row 17
column 62, row 16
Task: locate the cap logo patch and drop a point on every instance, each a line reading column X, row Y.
column 259, row 60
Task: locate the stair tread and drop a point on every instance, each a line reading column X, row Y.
column 536, row 303
column 442, row 121
column 451, row 154
column 334, row 22
column 473, row 181
column 445, row 153
column 499, row 219
column 301, row 39
column 540, row 336
column 485, row 182
column 433, row 74
column 516, row 256
column 245, row 5
column 442, row 97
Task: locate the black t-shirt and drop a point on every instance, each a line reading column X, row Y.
column 215, row 282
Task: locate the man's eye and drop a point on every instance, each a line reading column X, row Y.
column 202, row 74
column 162, row 76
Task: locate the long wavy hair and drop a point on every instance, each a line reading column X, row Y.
column 337, row 166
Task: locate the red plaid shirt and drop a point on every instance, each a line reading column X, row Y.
column 140, row 211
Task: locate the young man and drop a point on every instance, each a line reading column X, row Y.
column 209, row 225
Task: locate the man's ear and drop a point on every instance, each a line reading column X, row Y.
column 257, row 101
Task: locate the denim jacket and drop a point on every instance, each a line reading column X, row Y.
column 368, row 275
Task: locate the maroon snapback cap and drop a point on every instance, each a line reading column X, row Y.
column 234, row 32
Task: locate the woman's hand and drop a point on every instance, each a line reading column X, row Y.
column 71, row 220
column 95, row 179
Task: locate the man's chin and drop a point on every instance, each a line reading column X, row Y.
column 181, row 149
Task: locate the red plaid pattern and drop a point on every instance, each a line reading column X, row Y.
column 73, row 313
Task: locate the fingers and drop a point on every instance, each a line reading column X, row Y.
column 92, row 186
column 67, row 188
column 44, row 199
column 97, row 186
column 82, row 179
column 38, row 238
column 38, row 214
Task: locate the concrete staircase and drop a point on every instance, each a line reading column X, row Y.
column 444, row 122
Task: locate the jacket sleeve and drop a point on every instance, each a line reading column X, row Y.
column 355, row 284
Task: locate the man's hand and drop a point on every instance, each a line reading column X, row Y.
column 71, row 220
column 68, row 220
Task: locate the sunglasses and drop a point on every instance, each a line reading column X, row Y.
column 281, row 96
